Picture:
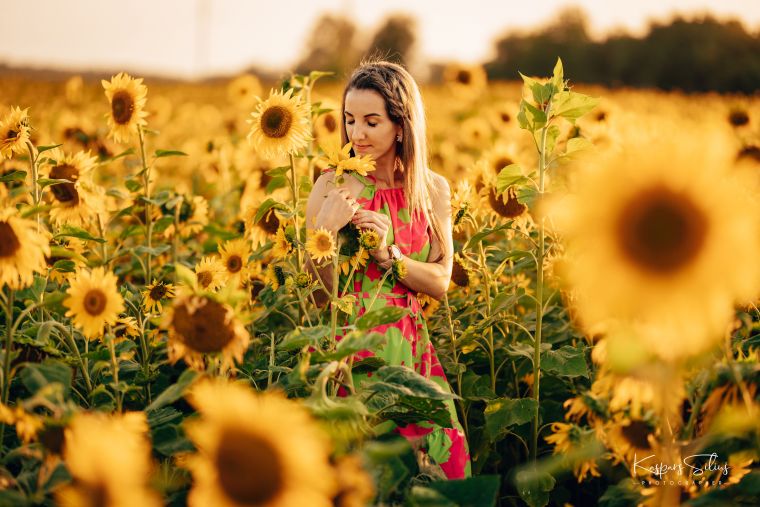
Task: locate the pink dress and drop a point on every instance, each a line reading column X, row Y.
column 407, row 341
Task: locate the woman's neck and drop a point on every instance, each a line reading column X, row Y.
column 385, row 171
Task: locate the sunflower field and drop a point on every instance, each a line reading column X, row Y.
column 162, row 342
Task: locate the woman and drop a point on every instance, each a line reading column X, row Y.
column 408, row 206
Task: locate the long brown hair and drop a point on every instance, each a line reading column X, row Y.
column 403, row 104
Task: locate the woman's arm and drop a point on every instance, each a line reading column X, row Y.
column 330, row 208
column 433, row 278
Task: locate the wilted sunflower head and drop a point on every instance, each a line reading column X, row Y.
column 460, row 273
column 126, row 97
column 506, row 204
column 280, row 125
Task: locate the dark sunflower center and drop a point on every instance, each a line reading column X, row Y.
column 330, row 123
column 270, row 223
column 738, row 118
column 95, row 302
column 276, row 122
column 505, row 117
column 459, row 274
column 12, row 134
column 205, row 278
column 323, row 243
column 464, row 77
column 9, row 243
column 122, row 107
column 95, row 493
column 510, row 209
column 234, row 264
column 65, row 192
column 248, row 467
column 205, row 330
column 661, row 231
column 501, row 162
column 158, row 292
column 636, row 434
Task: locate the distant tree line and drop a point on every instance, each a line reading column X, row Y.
column 689, row 55
column 697, row 55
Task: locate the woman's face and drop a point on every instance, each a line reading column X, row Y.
column 369, row 129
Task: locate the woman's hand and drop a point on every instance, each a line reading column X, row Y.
column 374, row 221
column 337, row 210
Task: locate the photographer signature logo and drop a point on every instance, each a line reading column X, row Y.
column 691, row 468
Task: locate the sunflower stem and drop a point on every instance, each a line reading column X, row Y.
column 175, row 241
column 36, row 194
column 455, row 354
column 271, row 360
column 535, row 391
column 72, row 344
column 114, row 367
column 148, row 210
column 486, row 274
column 8, row 346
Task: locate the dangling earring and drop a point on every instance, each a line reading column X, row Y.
column 398, row 138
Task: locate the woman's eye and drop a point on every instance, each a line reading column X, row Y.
column 372, row 124
column 349, row 122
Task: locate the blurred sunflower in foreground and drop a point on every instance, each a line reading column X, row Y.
column 256, row 449
column 127, row 97
column 108, row 457
column 280, row 125
column 662, row 242
column 22, row 250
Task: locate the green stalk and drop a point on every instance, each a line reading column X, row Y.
column 7, row 362
column 539, row 293
column 455, row 354
column 148, row 209
column 114, row 368
column 486, row 275
column 36, row 193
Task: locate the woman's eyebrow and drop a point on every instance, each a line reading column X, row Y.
column 366, row 115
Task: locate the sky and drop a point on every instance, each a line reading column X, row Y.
column 196, row 38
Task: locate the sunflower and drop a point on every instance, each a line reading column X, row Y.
column 28, row 424
column 154, row 293
column 275, row 276
column 399, row 269
column 506, row 204
column 94, row 301
column 191, row 216
column 369, row 239
column 355, row 487
column 466, row 81
column 22, row 250
column 262, row 231
column 284, row 241
column 342, row 161
column 14, row 132
column 356, row 261
column 78, row 201
column 461, row 274
column 244, row 90
column 126, row 328
column 475, row 133
column 200, row 325
column 321, row 244
column 127, row 97
column 109, row 459
column 234, row 256
column 327, row 124
column 255, row 449
column 210, row 274
column 566, row 438
column 280, row 125
column 676, row 230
